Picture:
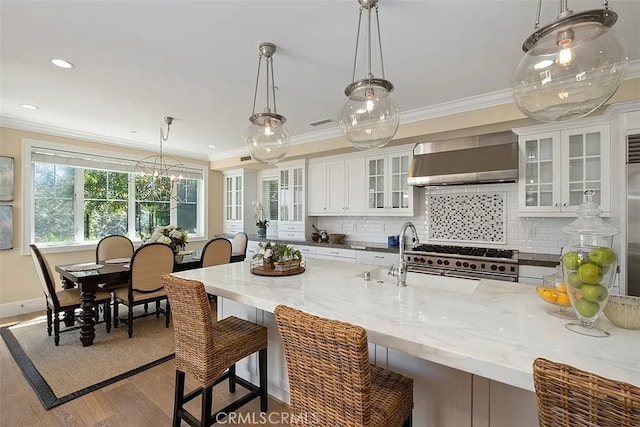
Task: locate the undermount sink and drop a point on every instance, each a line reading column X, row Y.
column 445, row 283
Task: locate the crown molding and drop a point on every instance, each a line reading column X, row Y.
column 12, row 123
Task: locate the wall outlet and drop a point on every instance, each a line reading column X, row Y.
column 531, row 231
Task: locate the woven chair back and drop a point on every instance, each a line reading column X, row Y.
column 571, row 397
column 114, row 246
column 239, row 243
column 216, row 252
column 45, row 276
column 148, row 264
column 193, row 327
column 328, row 367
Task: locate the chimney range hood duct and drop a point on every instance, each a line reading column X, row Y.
column 475, row 160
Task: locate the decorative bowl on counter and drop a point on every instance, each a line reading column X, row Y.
column 554, row 295
column 623, row 311
column 336, row 238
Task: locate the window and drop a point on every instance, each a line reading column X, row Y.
column 82, row 197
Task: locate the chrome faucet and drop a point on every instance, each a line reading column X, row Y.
column 401, row 270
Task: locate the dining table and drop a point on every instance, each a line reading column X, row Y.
column 91, row 276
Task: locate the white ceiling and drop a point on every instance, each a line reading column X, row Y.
column 138, row 61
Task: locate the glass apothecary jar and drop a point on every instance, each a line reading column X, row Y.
column 554, row 291
column 589, row 266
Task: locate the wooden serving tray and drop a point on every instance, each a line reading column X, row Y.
column 261, row 271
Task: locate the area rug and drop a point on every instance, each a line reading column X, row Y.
column 60, row 374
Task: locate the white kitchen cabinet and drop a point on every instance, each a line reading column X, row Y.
column 387, row 190
column 306, row 251
column 336, row 254
column 240, row 189
column 382, row 259
column 557, row 166
column 291, row 201
column 336, row 187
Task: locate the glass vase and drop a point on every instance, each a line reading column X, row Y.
column 589, row 266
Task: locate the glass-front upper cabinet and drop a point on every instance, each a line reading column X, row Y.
column 557, row 167
column 292, row 194
column 387, row 190
column 240, row 188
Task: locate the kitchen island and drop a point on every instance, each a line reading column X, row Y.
column 468, row 344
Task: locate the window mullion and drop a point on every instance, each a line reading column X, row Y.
column 131, row 207
column 78, row 205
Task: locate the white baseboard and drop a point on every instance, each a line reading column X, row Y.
column 22, row 307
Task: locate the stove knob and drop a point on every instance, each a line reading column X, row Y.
column 458, row 263
column 465, row 264
column 501, row 268
column 429, row 261
column 439, row 262
column 416, row 259
column 494, row 267
column 446, row 262
column 473, row 266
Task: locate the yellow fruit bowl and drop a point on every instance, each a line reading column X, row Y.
column 556, row 295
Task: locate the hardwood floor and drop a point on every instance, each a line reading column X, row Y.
column 145, row 399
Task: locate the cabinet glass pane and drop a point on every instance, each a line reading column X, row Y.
column 395, row 165
column 546, row 149
column 404, row 166
column 592, row 169
column 532, row 173
column 546, row 198
column 575, row 146
column 395, row 199
column 531, row 150
column 593, row 144
column 395, row 183
column 546, row 172
column 380, row 183
column 576, row 170
column 531, row 195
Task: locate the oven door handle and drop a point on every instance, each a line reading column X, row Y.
column 461, row 276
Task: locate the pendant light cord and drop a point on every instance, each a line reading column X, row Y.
column 255, row 92
column 273, row 85
column 355, row 57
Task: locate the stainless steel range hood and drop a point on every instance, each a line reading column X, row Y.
column 475, row 160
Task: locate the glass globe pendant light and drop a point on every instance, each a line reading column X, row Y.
column 572, row 66
column 267, row 139
column 369, row 117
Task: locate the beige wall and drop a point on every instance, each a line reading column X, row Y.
column 18, row 280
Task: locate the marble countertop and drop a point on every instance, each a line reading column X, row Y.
column 489, row 328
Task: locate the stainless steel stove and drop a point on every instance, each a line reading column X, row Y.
column 464, row 261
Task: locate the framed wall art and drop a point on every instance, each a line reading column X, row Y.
column 6, row 179
column 6, row 227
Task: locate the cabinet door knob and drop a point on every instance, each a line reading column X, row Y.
column 565, row 204
column 557, row 205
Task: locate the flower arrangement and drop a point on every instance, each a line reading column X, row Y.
column 171, row 235
column 277, row 252
column 261, row 219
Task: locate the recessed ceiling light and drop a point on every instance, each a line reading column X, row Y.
column 62, row 63
column 212, row 146
column 29, row 106
column 132, row 131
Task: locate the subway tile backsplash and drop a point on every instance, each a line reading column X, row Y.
column 526, row 234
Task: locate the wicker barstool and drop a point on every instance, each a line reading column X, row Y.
column 331, row 380
column 206, row 349
column 571, row 397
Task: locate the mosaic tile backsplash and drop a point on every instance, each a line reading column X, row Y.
column 468, row 217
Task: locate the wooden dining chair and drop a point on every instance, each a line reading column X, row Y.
column 570, row 397
column 209, row 350
column 64, row 300
column 148, row 264
column 239, row 243
column 111, row 247
column 215, row 252
column 331, row 378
